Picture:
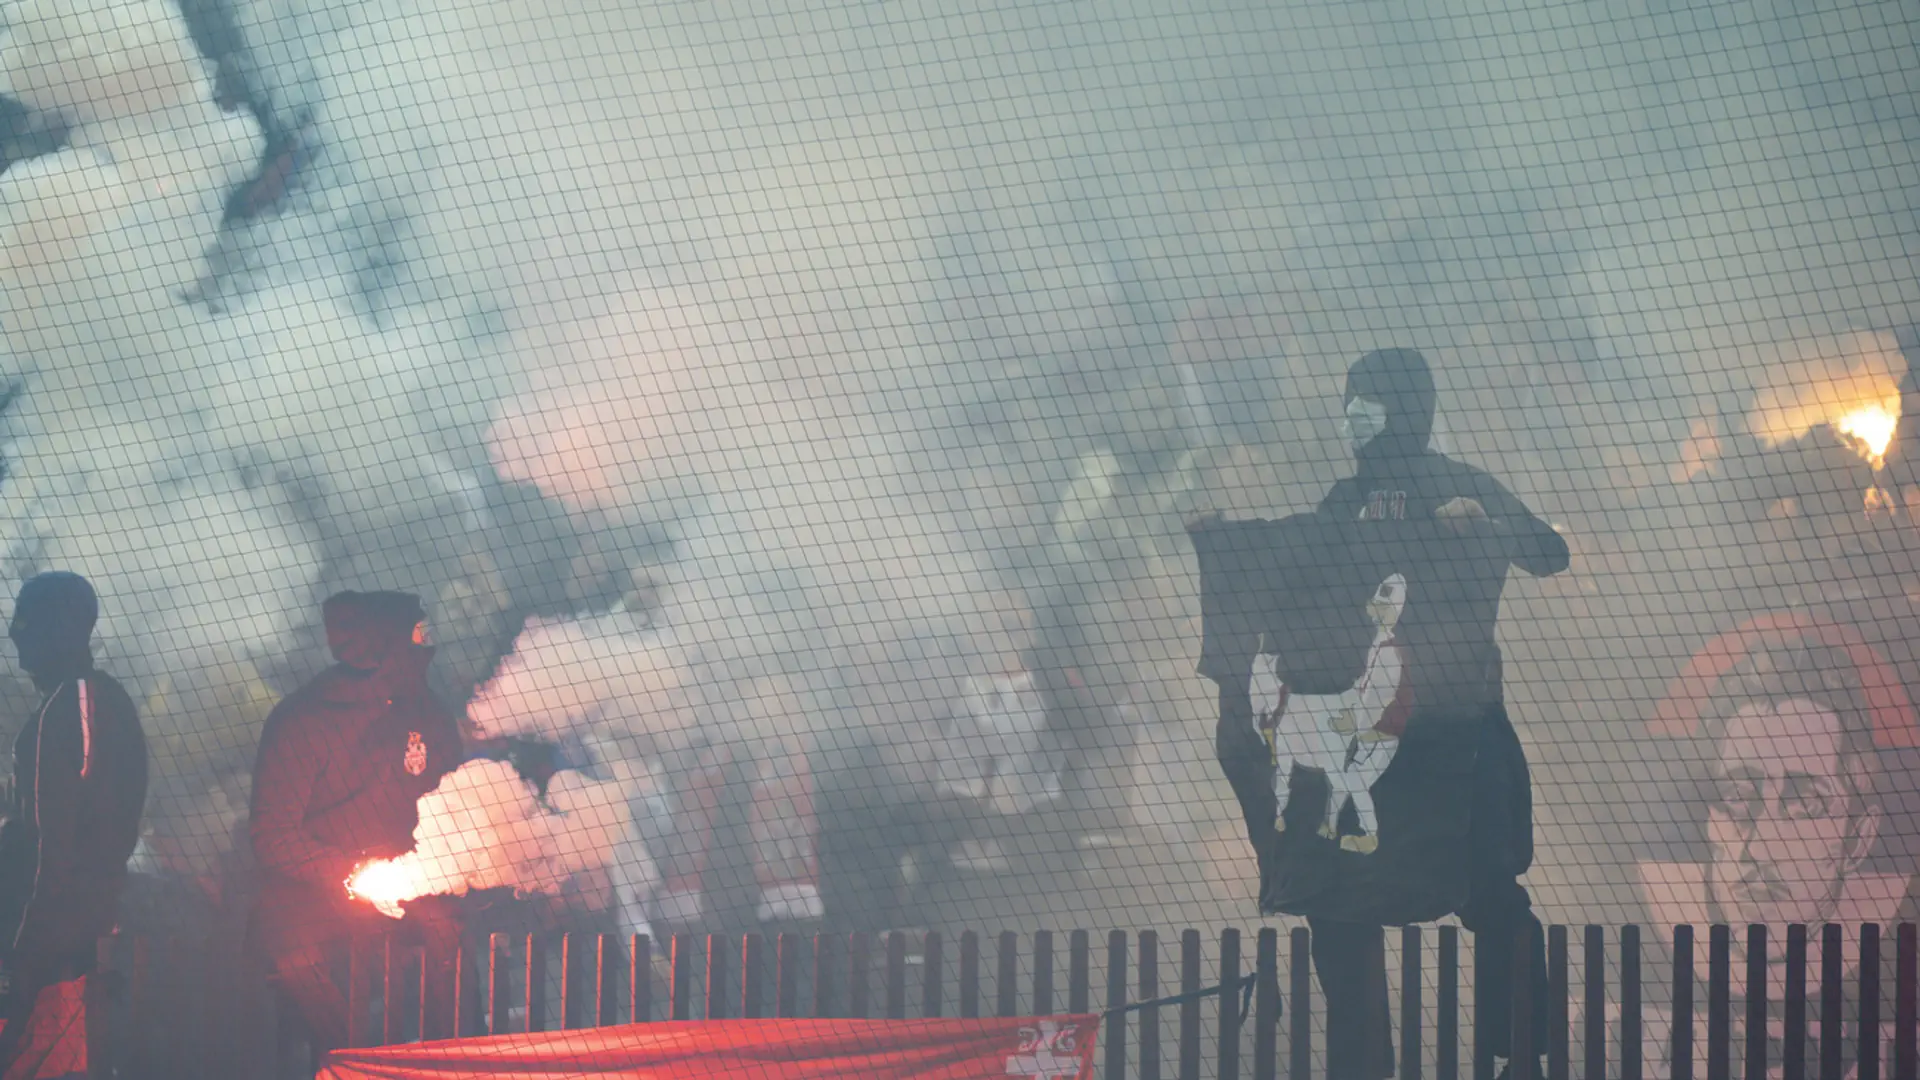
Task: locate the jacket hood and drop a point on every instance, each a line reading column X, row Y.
column 366, row 629
column 1401, row 380
column 52, row 626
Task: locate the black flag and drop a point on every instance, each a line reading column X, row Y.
column 1322, row 635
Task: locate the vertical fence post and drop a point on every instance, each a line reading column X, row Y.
column 717, row 965
column 1190, row 1008
column 1793, row 1048
column 640, row 979
column 604, row 993
column 1904, row 1013
column 896, row 975
column 1410, row 1002
column 680, row 978
column 536, row 995
column 859, row 965
column 1079, row 973
column 823, row 990
column 1481, row 1055
column 1832, row 973
column 569, row 971
column 1680, row 1039
column 1869, row 1029
column 1229, row 1004
column 1149, row 1017
column 1300, row 982
column 497, row 985
column 1719, row 1008
column 931, row 974
column 969, row 975
column 1520, row 1048
column 462, row 974
column 1266, row 1004
column 1594, row 968
column 1559, row 1023
column 1116, row 999
column 1446, row 1025
column 356, row 993
column 753, row 963
column 1630, row 1041
column 389, row 990
column 786, row 999
column 1755, row 1065
column 1042, row 972
column 1006, row 975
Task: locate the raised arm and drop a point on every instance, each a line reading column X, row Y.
column 1531, row 543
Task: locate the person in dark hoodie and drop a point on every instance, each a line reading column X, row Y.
column 1389, row 424
column 79, row 788
column 342, row 764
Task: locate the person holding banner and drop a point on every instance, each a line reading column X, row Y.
column 1362, row 722
column 1454, row 661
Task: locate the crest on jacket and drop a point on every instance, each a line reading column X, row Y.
column 416, row 759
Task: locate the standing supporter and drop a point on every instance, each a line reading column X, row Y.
column 342, row 763
column 79, row 787
column 1453, row 660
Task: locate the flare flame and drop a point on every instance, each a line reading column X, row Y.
column 386, row 884
column 1870, row 428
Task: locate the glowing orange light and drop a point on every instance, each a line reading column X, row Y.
column 386, row 884
column 1871, row 427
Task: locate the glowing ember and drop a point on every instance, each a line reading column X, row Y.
column 386, row 884
column 1871, row 426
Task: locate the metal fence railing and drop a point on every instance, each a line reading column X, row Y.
column 1806, row 1005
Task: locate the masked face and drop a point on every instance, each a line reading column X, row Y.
column 1366, row 419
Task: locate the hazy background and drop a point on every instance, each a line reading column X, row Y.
column 854, row 341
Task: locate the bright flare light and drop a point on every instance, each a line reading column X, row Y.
column 386, row 884
column 1871, row 426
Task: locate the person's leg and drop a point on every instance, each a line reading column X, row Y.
column 1351, row 962
column 1500, row 910
column 305, row 974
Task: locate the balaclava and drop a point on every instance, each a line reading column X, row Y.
column 1400, row 380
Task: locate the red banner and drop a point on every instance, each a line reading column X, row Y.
column 1034, row 1048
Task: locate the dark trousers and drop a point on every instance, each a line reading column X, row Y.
column 1351, row 961
column 312, row 969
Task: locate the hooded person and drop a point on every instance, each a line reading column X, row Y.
column 1453, row 662
column 343, row 762
column 79, row 788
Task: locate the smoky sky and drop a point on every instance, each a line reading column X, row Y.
column 861, row 336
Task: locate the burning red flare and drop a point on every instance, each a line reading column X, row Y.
column 386, row 884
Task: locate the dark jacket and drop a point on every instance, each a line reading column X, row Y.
column 342, row 763
column 1449, row 631
column 79, row 784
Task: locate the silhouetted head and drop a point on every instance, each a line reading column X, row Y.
column 1399, row 382
column 366, row 629
column 52, row 626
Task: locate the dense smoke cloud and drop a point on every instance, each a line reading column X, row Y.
column 860, row 344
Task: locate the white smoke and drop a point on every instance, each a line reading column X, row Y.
column 860, row 336
column 486, row 827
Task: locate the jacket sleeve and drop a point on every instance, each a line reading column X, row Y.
column 1532, row 545
column 59, row 756
column 290, row 761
